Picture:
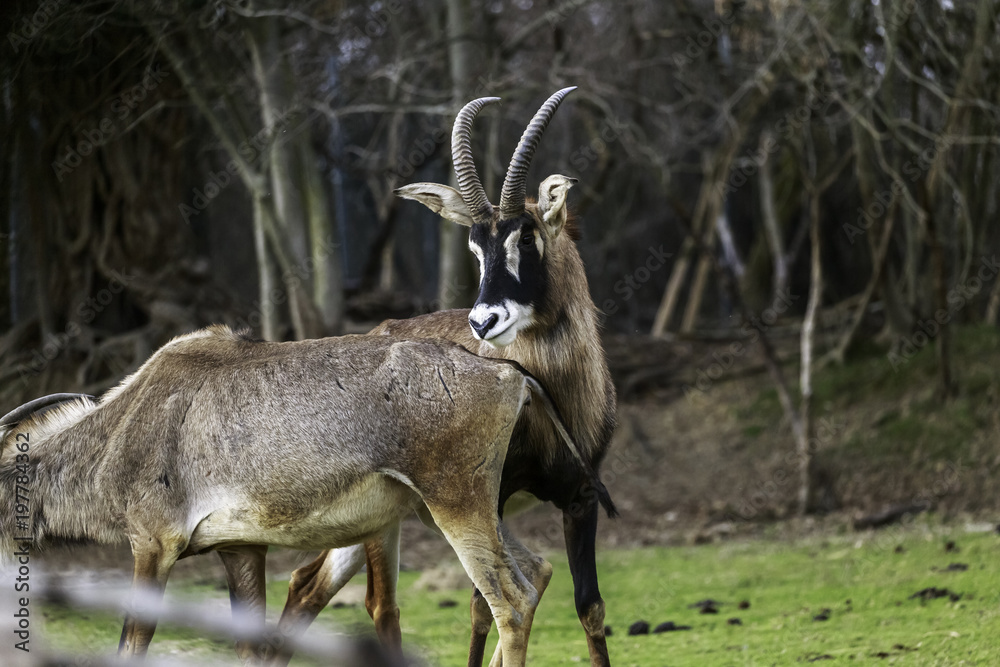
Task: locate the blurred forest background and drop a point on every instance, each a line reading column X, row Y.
column 828, row 167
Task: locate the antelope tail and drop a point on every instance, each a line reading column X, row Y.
column 553, row 412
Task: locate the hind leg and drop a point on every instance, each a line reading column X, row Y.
column 382, row 557
column 482, row 621
column 312, row 587
column 247, row 597
column 153, row 557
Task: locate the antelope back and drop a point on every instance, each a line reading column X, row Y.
column 267, row 434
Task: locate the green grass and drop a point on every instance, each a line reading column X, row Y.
column 786, row 584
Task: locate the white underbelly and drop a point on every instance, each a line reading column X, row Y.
column 365, row 509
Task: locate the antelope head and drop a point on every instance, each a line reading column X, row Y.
column 512, row 241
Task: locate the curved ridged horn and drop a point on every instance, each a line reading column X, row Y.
column 19, row 414
column 514, row 184
column 469, row 185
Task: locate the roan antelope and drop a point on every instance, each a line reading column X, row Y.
column 534, row 307
column 223, row 443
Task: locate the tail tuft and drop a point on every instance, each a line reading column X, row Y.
column 553, row 412
column 605, row 499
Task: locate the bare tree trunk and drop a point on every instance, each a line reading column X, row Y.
column 898, row 318
column 705, row 261
column 955, row 124
column 671, row 294
column 18, row 234
column 940, row 289
column 808, row 339
column 257, row 183
column 379, row 269
column 993, row 307
column 267, row 281
column 729, row 283
column 455, row 284
column 772, row 229
column 327, row 272
column 286, row 174
column 710, row 198
column 39, row 232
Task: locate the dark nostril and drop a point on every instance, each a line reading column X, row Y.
column 483, row 328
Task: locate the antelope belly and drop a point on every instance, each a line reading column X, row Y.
column 363, row 510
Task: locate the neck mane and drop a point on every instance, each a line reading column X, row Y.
column 564, row 351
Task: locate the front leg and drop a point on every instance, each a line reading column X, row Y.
column 248, row 597
column 580, row 528
column 153, row 557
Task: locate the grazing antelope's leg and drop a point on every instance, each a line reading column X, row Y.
column 312, row 587
column 153, row 558
column 580, row 528
column 382, row 555
column 247, row 596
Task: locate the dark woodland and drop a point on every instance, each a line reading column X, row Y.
column 825, row 167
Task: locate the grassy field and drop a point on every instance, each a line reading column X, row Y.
column 862, row 585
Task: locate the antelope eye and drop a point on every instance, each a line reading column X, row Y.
column 527, row 238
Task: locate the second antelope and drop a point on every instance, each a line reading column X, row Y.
column 534, row 307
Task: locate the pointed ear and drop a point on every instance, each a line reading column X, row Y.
column 441, row 199
column 552, row 202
